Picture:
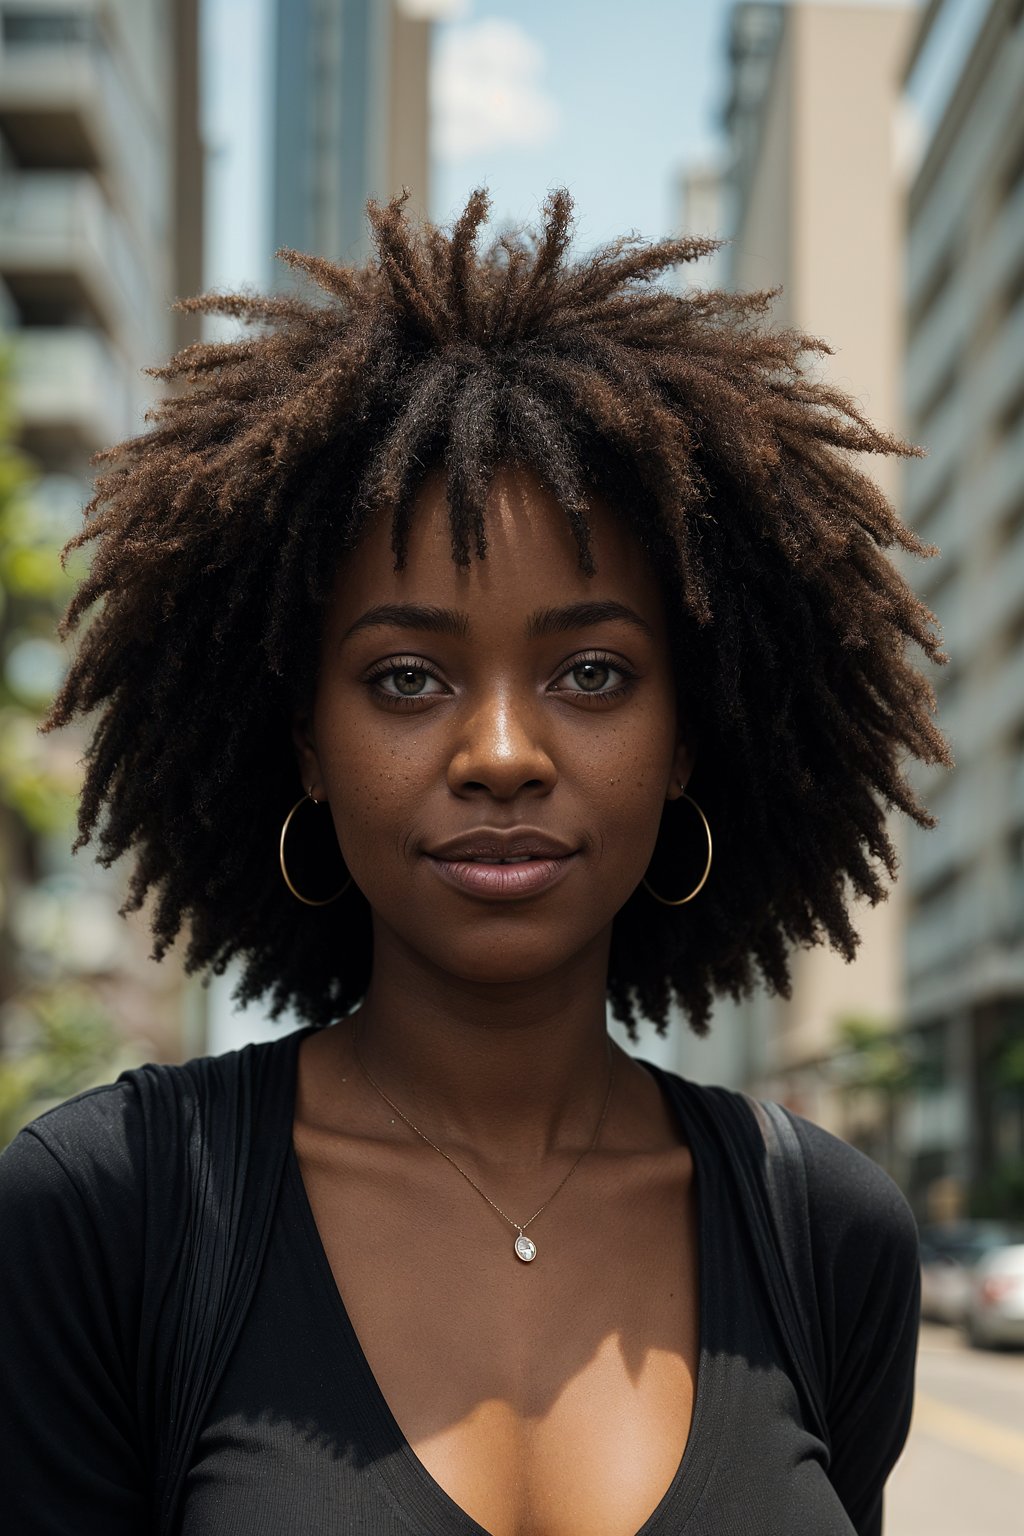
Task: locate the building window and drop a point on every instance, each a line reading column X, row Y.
column 1010, row 416
column 928, row 515
column 936, row 584
column 45, row 28
column 1014, row 174
column 1009, row 529
column 1015, row 865
column 934, row 288
column 941, row 391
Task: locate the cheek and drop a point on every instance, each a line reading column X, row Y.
column 623, row 780
column 376, row 777
column 372, row 789
column 638, row 743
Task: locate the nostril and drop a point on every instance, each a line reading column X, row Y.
column 471, row 784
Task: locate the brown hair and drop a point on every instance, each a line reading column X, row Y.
column 218, row 530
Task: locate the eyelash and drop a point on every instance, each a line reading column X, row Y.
column 599, row 659
column 394, row 665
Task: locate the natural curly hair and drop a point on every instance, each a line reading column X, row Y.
column 218, row 531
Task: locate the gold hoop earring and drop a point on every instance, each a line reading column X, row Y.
column 307, row 901
column 707, row 868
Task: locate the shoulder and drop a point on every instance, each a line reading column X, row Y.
column 89, row 1145
column 852, row 1201
column 101, row 1147
column 73, row 1214
column 866, row 1266
column 853, row 1208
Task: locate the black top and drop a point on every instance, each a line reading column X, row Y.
column 292, row 1434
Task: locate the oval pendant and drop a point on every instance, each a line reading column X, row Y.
column 526, row 1248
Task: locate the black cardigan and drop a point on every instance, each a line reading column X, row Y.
column 135, row 1220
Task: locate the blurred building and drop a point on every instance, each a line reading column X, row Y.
column 965, row 404
column 100, row 208
column 702, row 209
column 813, row 202
column 100, row 229
column 350, row 118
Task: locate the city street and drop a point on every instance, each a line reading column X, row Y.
column 962, row 1473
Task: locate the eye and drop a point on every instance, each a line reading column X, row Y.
column 592, row 676
column 596, row 676
column 407, row 683
column 404, row 680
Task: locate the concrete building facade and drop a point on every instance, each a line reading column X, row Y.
column 101, row 188
column 813, row 204
column 100, row 208
column 965, row 403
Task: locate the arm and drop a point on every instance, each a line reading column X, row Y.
column 71, row 1461
column 865, row 1248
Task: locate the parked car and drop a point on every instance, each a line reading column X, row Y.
column 949, row 1255
column 995, row 1308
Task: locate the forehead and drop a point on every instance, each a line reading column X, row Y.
column 532, row 560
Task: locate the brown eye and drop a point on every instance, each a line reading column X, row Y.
column 591, row 676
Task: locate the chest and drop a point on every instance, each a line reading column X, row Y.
column 544, row 1398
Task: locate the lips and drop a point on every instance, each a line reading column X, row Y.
column 502, row 865
column 492, row 845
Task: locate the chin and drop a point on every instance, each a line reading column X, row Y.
column 490, row 962
column 488, row 974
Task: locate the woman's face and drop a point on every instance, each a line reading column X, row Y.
column 496, row 742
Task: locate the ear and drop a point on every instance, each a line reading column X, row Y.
column 682, row 767
column 307, row 761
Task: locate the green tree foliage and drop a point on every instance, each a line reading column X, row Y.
column 55, row 1035
column 37, row 785
column 875, row 1058
column 58, row 1039
column 875, row 1069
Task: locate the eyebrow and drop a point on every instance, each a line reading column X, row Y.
column 438, row 621
column 449, row 621
column 555, row 621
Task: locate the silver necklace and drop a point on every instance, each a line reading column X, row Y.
column 524, row 1247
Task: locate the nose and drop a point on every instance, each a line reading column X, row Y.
column 501, row 750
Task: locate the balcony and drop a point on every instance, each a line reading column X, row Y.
column 56, row 105
column 71, row 391
column 72, row 99
column 63, row 250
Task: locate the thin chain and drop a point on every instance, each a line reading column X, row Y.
column 423, row 1137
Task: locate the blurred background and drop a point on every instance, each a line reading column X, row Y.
column 866, row 158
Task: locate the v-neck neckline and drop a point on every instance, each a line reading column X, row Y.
column 417, row 1493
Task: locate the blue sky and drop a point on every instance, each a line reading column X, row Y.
column 607, row 97
column 631, row 91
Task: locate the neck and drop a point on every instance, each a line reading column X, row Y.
column 511, row 1071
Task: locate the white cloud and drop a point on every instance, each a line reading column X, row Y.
column 487, row 90
column 435, row 10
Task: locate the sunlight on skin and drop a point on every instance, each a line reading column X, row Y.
column 600, row 1396
column 554, row 1397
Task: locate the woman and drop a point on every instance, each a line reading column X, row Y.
column 503, row 637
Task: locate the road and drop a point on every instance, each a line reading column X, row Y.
column 962, row 1473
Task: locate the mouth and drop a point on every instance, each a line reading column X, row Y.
column 522, row 858
column 503, row 865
